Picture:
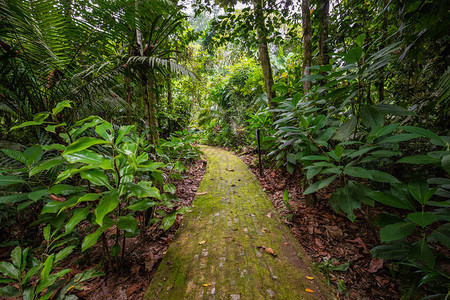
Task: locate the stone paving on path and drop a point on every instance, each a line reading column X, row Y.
column 232, row 245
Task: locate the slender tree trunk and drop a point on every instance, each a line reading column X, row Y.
column 381, row 80
column 170, row 102
column 145, row 101
column 128, row 87
column 263, row 51
column 324, row 59
column 307, row 44
column 153, row 121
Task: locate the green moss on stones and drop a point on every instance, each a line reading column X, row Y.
column 231, row 215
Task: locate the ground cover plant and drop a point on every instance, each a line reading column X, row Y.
column 103, row 105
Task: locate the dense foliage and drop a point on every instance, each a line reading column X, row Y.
column 102, row 103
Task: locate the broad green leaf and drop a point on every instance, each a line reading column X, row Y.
column 33, row 154
column 48, row 265
column 63, row 253
column 91, row 239
column 422, row 218
column 168, row 220
column 442, row 235
column 353, row 55
column 8, row 269
column 84, row 156
column 16, row 155
column 396, row 231
column 150, row 167
column 339, row 150
column 310, row 173
column 82, row 143
column 36, row 195
column 143, row 190
column 31, row 272
column 315, row 157
column 96, row 177
column 391, row 200
column 46, row 165
column 48, row 281
column 9, row 291
column 106, row 131
column 142, row 205
column 58, row 147
column 327, row 181
column 394, row 110
column 107, row 204
column 9, row 180
column 418, row 160
column 397, row 250
column 79, row 215
column 115, row 250
column 418, row 187
column 16, row 257
column 170, row 188
column 345, row 130
column 360, row 39
column 127, row 223
column 372, row 117
column 343, row 200
column 65, row 189
column 14, row 198
column 357, row 172
column 446, row 163
column 60, row 106
column 361, row 151
column 89, row 197
column 382, row 177
column 398, row 138
column 422, row 251
column 422, row 132
column 28, row 123
column 52, row 128
column 123, row 130
column 46, row 233
column 54, row 207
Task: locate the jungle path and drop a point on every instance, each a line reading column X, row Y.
column 232, row 245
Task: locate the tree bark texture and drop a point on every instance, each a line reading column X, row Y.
column 263, row 51
column 153, row 121
column 324, row 59
column 307, row 44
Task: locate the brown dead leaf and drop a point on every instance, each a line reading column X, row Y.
column 375, row 265
column 56, row 198
column 149, row 265
column 360, row 243
column 202, row 242
column 271, row 252
column 201, row 193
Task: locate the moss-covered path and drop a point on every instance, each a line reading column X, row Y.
column 232, row 245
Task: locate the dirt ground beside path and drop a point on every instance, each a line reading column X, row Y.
column 327, row 235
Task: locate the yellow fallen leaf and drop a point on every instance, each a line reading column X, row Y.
column 309, row 290
column 202, row 242
column 164, row 252
column 206, row 284
column 309, row 277
column 271, row 252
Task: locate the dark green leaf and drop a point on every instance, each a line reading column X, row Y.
column 79, row 215
column 9, row 180
column 142, row 205
column 396, row 231
column 84, row 156
column 383, row 177
column 122, row 132
column 418, row 160
column 391, row 200
column 353, row 55
column 82, row 143
column 127, row 223
column 96, row 177
column 394, row 110
column 345, row 130
column 357, row 172
column 371, row 117
column 168, row 220
column 16, row 257
column 422, row 218
column 9, row 291
column 46, row 165
column 115, row 250
column 65, row 189
column 446, row 163
column 422, row 132
column 107, row 204
column 418, row 187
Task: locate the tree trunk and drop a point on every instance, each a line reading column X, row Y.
column 169, row 102
column 384, row 32
column 324, row 59
column 263, row 51
column 153, row 121
column 128, row 87
column 145, row 96
column 307, row 44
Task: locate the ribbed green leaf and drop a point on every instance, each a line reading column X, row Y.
column 396, row 231
column 107, row 204
column 9, row 180
column 83, row 143
column 357, row 172
column 391, row 200
column 418, row 160
column 46, row 165
column 79, row 215
column 422, row 218
column 383, row 177
column 96, row 177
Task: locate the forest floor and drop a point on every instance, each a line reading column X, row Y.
column 233, row 245
column 330, row 236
